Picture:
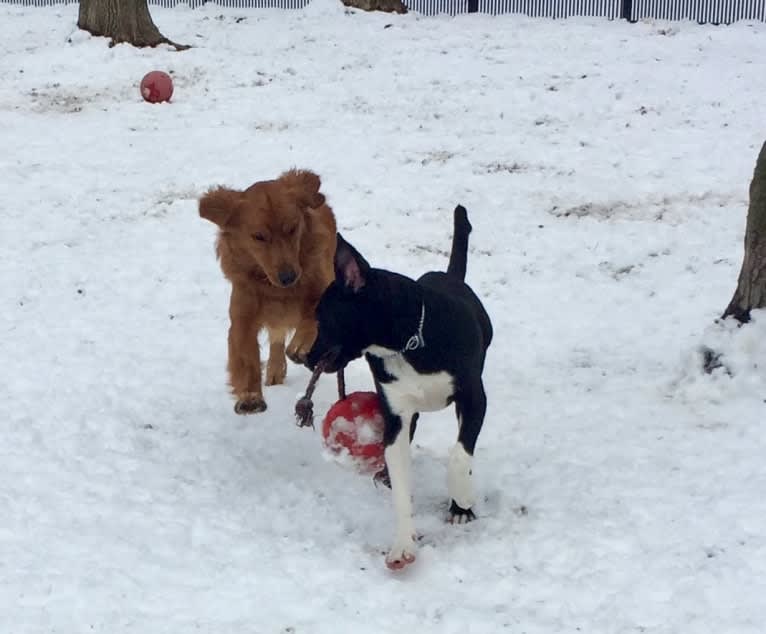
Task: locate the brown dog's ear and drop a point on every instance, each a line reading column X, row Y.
column 219, row 205
column 304, row 185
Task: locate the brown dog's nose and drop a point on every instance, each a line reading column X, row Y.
column 287, row 277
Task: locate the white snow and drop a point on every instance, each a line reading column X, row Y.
column 605, row 168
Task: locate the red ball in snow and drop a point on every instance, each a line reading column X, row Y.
column 156, row 86
column 352, row 431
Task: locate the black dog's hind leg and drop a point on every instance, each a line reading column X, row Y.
column 470, row 407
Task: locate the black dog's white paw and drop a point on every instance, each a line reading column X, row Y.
column 459, row 515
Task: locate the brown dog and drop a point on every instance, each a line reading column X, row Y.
column 276, row 245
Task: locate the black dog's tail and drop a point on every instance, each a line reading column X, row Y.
column 459, row 257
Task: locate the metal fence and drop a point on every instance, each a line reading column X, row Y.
column 712, row 11
column 702, row 11
column 553, row 8
column 434, row 7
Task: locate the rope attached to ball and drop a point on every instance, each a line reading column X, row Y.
column 304, row 408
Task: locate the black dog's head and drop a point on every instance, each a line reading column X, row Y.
column 344, row 313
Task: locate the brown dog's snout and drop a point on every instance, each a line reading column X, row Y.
column 287, row 276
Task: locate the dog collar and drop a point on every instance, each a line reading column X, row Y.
column 417, row 341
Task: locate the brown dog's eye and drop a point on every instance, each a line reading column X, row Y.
column 291, row 231
column 259, row 237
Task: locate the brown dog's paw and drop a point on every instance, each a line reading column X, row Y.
column 296, row 356
column 301, row 343
column 250, row 404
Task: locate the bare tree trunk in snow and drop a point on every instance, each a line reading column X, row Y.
column 391, row 6
column 126, row 21
column 751, row 287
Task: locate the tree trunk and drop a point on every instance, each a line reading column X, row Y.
column 391, row 6
column 122, row 20
column 751, row 287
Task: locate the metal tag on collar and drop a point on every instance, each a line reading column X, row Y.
column 417, row 341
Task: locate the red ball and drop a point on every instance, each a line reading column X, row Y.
column 156, row 86
column 352, row 431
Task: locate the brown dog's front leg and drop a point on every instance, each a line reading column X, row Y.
column 245, row 365
column 245, row 378
column 276, row 366
column 302, row 340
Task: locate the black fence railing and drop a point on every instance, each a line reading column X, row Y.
column 702, row 11
column 611, row 9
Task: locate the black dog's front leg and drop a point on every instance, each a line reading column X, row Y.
column 381, row 477
column 398, row 463
column 471, row 405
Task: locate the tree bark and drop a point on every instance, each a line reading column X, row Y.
column 751, row 287
column 126, row 21
column 391, row 6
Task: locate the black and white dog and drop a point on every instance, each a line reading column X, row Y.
column 425, row 342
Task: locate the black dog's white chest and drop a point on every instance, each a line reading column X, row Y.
column 411, row 391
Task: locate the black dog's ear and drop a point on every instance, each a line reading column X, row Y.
column 351, row 269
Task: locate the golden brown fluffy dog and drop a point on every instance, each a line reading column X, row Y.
column 276, row 245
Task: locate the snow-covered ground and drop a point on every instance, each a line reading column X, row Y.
column 605, row 167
